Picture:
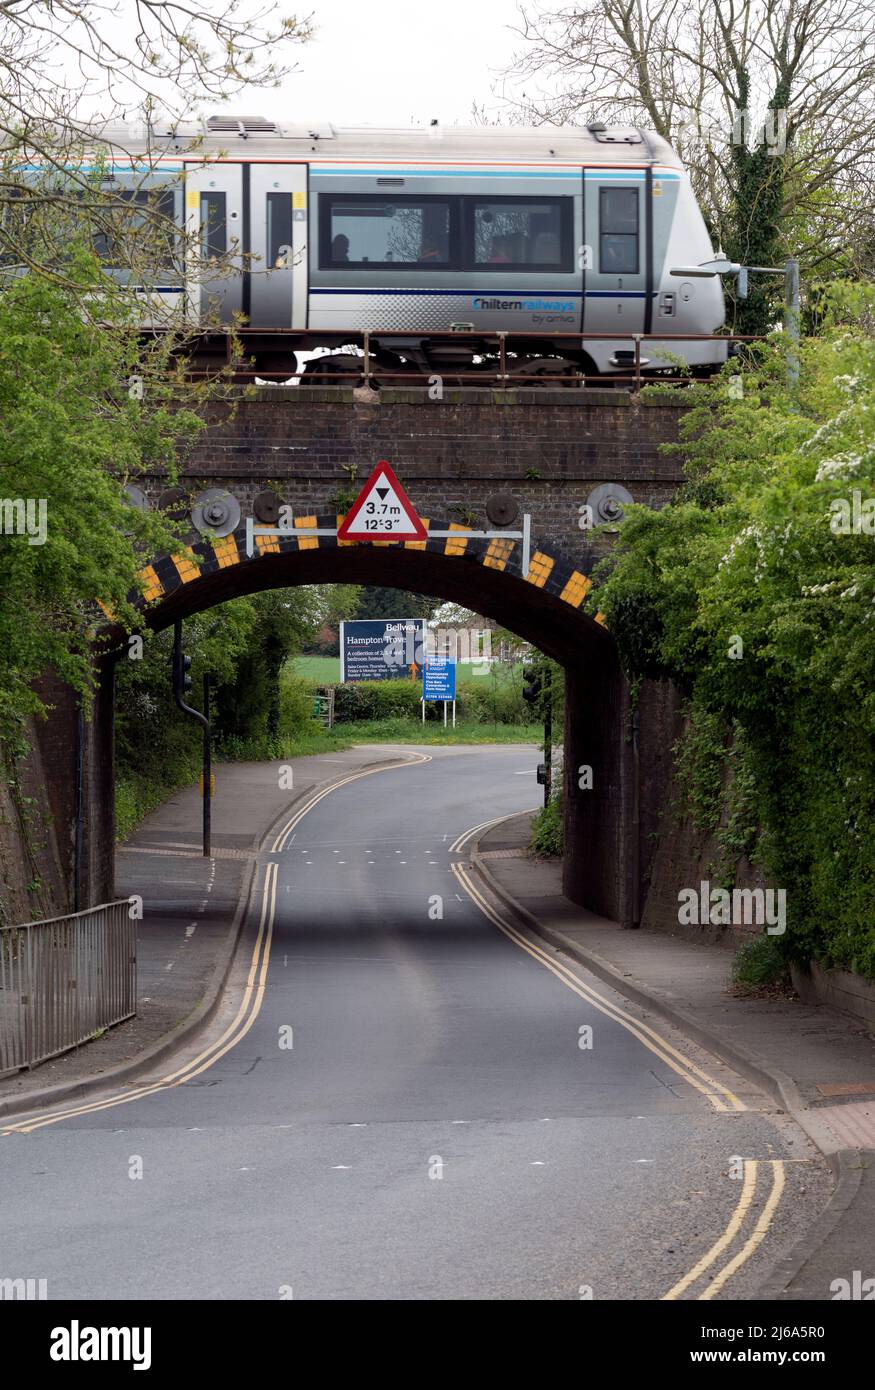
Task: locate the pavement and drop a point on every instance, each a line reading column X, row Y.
column 402, row 1093
column 816, row 1063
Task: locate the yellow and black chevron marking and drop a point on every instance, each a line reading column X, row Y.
column 551, row 573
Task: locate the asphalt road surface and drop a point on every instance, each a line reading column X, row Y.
column 405, row 1096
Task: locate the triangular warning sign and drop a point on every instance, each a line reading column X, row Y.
column 382, row 511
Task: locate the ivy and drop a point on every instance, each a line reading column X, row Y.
column 745, row 591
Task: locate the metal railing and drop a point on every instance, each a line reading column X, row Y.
column 63, row 980
column 503, row 352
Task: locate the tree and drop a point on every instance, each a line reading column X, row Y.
column 769, row 102
column 248, row 701
column 376, row 601
column 754, row 591
column 62, row 60
column 73, row 435
column 79, row 82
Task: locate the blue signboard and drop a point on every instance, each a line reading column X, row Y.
column 439, row 682
column 382, row 649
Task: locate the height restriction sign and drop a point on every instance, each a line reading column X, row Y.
column 382, row 511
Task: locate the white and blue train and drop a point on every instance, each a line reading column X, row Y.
column 544, row 231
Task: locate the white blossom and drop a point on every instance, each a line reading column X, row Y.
column 838, row 467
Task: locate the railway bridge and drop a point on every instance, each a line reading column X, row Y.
column 473, row 460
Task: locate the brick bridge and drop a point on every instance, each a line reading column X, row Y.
column 464, row 460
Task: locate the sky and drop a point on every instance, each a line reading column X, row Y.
column 369, row 62
column 396, row 62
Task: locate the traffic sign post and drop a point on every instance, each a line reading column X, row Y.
column 439, row 683
column 382, row 511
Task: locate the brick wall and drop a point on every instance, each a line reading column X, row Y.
column 548, row 448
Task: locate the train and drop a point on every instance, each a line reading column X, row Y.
column 426, row 237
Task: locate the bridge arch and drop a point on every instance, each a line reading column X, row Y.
column 607, row 842
column 484, row 574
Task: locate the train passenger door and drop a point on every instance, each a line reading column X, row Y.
column 614, row 231
column 278, row 236
column 214, row 223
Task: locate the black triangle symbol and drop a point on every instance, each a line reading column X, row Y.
column 382, row 493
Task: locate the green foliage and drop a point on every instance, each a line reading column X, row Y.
column 548, row 829
column 72, row 437
column 749, row 552
column 375, row 601
column 496, row 698
column 700, row 759
column 378, row 700
column 760, row 963
column 248, row 702
column 756, row 215
column 242, row 646
column 402, row 729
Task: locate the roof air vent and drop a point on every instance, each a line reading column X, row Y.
column 244, row 126
column 615, row 136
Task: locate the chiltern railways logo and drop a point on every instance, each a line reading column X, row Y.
column 528, row 306
column 75, row 1343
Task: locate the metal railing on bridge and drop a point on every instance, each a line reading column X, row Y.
column 63, row 980
column 267, row 356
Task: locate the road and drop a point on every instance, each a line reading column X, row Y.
column 402, row 1099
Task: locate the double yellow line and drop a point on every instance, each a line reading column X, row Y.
column 282, row 839
column 243, row 1021
column 720, row 1097
column 754, row 1240
column 253, row 993
column 459, row 844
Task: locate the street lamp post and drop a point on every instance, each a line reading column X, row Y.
column 721, row 265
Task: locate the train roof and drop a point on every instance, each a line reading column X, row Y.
column 249, row 137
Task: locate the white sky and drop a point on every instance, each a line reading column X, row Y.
column 393, row 62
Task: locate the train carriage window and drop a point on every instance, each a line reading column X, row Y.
column 519, row 234
column 618, row 231
column 279, row 229
column 214, row 226
column 137, row 225
column 368, row 232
